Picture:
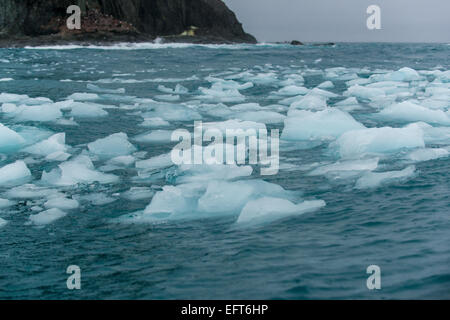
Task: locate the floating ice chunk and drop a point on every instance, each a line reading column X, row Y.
column 174, row 201
column 14, row 174
column 379, row 140
column 349, row 104
column 67, row 122
column 96, row 199
column 444, row 76
column 322, row 125
column 326, row 85
column 158, row 162
column 364, row 93
column 269, row 209
column 4, row 203
column 11, row 97
column 58, row 156
column 217, row 93
column 427, row 154
column 376, row 179
column 87, row 110
column 404, row 74
column 38, row 113
column 55, row 143
column 30, row 191
column 78, row 170
column 292, row 90
column 350, row 165
column 267, row 117
column 179, row 89
column 408, row 111
column 172, row 112
column 114, row 145
column 3, row 222
column 62, row 203
column 236, row 126
column 95, row 88
column 138, row 193
column 83, row 96
column 47, row 217
column 168, row 97
column 322, row 93
column 122, row 161
column 154, row 122
column 310, row 102
column 9, row 139
column 206, row 172
column 156, row 136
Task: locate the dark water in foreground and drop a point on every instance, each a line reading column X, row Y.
column 402, row 226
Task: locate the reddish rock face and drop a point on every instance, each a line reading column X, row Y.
column 153, row 18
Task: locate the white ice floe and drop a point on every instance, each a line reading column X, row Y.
column 33, row 113
column 155, row 136
column 292, row 90
column 322, row 125
column 95, row 88
column 3, row 222
column 112, row 146
column 167, row 97
column 379, row 140
column 138, row 193
column 154, row 122
column 14, row 174
column 377, row 179
column 347, row 166
column 310, row 102
column 179, row 89
column 427, row 154
column 47, row 217
column 172, row 112
column 9, row 139
column 411, row 112
column 30, row 191
column 78, row 170
column 5, row 203
column 267, row 117
column 269, row 209
column 404, row 74
column 326, row 85
column 55, row 146
column 82, row 96
column 62, row 203
column 155, row 163
column 87, row 110
column 96, row 199
column 364, row 93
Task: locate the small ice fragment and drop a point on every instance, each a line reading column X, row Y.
column 114, row 145
column 376, row 179
column 47, row 217
column 62, row 203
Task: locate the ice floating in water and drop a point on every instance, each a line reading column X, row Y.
column 292, row 91
column 156, row 136
column 47, row 217
column 322, row 125
column 326, row 85
column 267, row 117
column 172, row 112
column 237, row 126
column 364, row 93
column 205, row 172
column 376, row 179
column 36, row 113
column 5, row 203
column 179, row 89
column 14, row 174
column 9, row 139
column 269, row 209
column 154, row 122
column 96, row 199
column 55, row 145
column 350, row 165
column 95, row 88
column 62, row 203
column 310, row 102
column 30, row 191
column 168, row 97
column 78, row 170
column 87, row 110
column 3, row 222
column 138, row 193
column 83, row 96
column 404, row 74
column 379, row 140
column 112, row 146
column 408, row 111
column 158, row 162
column 427, row 154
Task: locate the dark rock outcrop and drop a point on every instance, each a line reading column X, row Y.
column 121, row 20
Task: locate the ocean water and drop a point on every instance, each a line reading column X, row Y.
column 379, row 162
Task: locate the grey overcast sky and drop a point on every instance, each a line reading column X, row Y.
column 344, row 20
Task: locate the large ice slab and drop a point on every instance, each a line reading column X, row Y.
column 47, row 217
column 14, row 174
column 112, row 146
column 9, row 139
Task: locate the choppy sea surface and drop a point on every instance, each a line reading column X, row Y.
column 86, row 178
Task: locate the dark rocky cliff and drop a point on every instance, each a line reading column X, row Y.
column 109, row 20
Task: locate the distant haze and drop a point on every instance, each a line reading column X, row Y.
column 344, row 20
